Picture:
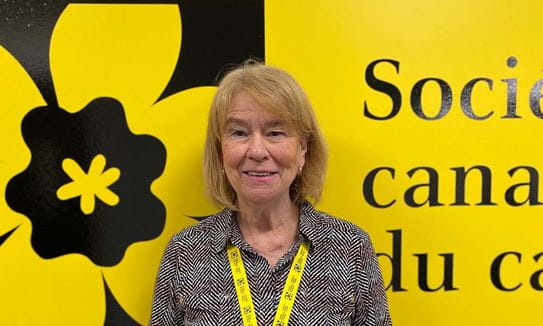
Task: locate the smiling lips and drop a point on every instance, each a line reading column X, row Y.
column 259, row 173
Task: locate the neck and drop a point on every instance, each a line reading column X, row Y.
column 271, row 230
column 268, row 218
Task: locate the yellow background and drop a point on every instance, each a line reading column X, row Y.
column 326, row 45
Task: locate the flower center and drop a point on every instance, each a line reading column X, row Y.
column 91, row 184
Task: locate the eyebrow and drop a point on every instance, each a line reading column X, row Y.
column 235, row 121
column 270, row 124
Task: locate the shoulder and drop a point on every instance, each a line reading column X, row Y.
column 200, row 229
column 338, row 223
column 329, row 225
column 339, row 233
column 203, row 232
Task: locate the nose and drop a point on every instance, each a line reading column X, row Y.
column 257, row 148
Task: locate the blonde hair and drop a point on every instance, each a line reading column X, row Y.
column 277, row 91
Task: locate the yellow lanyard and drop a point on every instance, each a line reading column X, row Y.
column 288, row 295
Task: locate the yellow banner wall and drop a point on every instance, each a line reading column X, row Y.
column 431, row 110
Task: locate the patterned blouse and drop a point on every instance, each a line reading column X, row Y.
column 341, row 283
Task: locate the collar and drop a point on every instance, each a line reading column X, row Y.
column 225, row 227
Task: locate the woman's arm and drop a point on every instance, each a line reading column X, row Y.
column 371, row 302
column 166, row 309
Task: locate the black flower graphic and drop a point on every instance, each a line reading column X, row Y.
column 71, row 220
column 96, row 87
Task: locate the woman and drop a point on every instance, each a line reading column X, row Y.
column 269, row 258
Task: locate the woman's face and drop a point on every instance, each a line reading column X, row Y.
column 261, row 153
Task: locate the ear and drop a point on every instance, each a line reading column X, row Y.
column 303, row 151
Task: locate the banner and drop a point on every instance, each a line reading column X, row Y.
column 431, row 112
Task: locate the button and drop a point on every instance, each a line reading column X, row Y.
column 353, row 299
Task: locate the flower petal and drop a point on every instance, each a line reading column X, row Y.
column 107, row 196
column 40, row 291
column 87, row 203
column 68, row 191
column 15, row 102
column 127, row 52
column 175, row 121
column 72, row 169
column 110, row 176
column 97, row 166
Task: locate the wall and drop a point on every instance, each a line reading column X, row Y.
column 431, row 111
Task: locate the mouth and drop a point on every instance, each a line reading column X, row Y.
column 259, row 173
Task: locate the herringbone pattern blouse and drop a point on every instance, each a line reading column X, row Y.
column 341, row 284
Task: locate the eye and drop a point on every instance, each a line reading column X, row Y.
column 276, row 133
column 238, row 133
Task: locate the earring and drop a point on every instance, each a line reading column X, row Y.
column 300, row 170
